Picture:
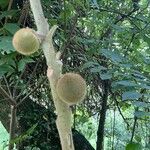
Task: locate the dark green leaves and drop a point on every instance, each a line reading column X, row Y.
column 112, row 55
column 6, row 41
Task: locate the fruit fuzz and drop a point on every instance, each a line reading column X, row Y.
column 25, row 41
column 71, row 88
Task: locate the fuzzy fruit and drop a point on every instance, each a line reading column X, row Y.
column 71, row 88
column 25, row 41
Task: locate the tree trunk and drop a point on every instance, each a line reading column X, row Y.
column 100, row 132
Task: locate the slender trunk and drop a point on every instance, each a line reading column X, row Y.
column 100, row 132
column 12, row 127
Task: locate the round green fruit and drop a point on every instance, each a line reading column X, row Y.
column 25, row 41
column 71, row 88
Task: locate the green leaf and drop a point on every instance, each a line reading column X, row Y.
column 133, row 146
column 125, row 83
column 141, row 104
column 25, row 135
column 89, row 64
column 146, row 39
column 113, row 55
column 139, row 75
column 144, row 86
column 97, row 69
column 6, row 44
column 131, row 95
column 22, row 63
column 11, row 27
column 8, row 59
column 147, row 95
column 137, row 138
column 147, row 146
column 126, row 65
column 140, row 114
column 106, row 76
column 118, row 28
column 8, row 13
column 5, row 69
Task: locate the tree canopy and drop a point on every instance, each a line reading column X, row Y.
column 108, row 43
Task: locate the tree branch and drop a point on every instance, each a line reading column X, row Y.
column 9, row 7
column 41, row 22
column 118, row 19
column 117, row 104
column 9, row 99
column 12, row 127
column 6, row 82
column 133, row 130
column 63, row 121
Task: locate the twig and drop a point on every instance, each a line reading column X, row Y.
column 118, row 19
column 28, row 82
column 15, row 86
column 24, row 13
column 113, row 134
column 9, row 7
column 9, row 99
column 117, row 104
column 133, row 130
column 7, row 86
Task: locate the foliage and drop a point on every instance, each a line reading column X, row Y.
column 103, row 41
